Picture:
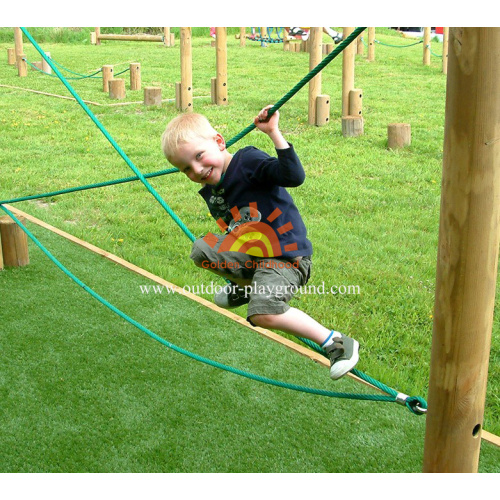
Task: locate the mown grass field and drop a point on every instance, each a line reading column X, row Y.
column 85, row 392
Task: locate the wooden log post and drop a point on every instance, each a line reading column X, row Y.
column 213, row 89
column 97, row 39
column 315, row 55
column 107, row 74
column 446, row 35
column 14, row 243
column 135, row 76
column 221, row 64
column 45, row 65
column 348, row 56
column 398, row 135
column 356, row 102
column 172, row 39
column 18, row 42
column 152, row 96
column 11, row 56
column 22, row 65
column 166, row 37
column 427, row 47
column 286, row 41
column 36, row 65
column 186, row 88
column 360, row 48
column 371, row 44
column 322, row 110
column 467, row 260
column 116, row 88
column 243, row 37
column 352, row 126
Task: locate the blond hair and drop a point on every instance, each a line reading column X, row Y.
column 183, row 129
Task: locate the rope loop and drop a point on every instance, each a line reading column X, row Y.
column 417, row 405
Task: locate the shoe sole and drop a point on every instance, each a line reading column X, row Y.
column 340, row 368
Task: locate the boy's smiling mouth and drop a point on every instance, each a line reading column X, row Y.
column 208, row 174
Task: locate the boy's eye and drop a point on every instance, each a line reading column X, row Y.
column 199, row 155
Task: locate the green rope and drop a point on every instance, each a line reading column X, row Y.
column 166, row 343
column 399, row 46
column 106, row 134
column 89, row 186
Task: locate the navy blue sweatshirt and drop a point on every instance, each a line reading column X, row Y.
column 254, row 177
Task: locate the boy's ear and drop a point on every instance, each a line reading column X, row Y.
column 220, row 142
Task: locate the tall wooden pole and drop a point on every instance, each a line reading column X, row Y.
column 315, row 55
column 371, row 44
column 348, row 56
column 427, row 47
column 186, row 91
column 469, row 234
column 221, row 63
column 18, row 42
column 446, row 36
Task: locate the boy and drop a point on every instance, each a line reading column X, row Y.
column 265, row 252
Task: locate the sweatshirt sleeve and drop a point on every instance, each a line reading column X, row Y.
column 286, row 170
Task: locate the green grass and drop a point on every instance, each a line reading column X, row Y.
column 372, row 215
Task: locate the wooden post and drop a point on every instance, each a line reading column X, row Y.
column 213, row 89
column 45, row 65
column 11, row 56
column 152, row 96
column 360, row 48
column 315, row 55
column 93, row 39
column 18, row 42
column 356, row 102
column 322, row 110
column 166, row 37
column 286, row 41
column 36, row 65
column 178, row 95
column 446, row 34
column 467, row 259
column 22, row 65
column 347, row 72
column 398, row 135
column 221, row 63
column 14, row 243
column 116, row 88
column 97, row 35
column 243, row 37
column 427, row 47
column 352, row 126
column 371, row 44
column 135, row 76
column 186, row 95
column 172, row 39
column 107, row 74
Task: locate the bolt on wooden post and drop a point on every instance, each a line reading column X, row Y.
column 467, row 261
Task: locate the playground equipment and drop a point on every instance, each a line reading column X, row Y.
column 468, row 253
column 167, row 38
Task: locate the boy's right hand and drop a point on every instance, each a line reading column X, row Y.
column 265, row 123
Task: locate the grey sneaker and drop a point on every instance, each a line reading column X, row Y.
column 343, row 354
column 231, row 296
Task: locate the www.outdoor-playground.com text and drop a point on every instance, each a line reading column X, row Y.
column 214, row 288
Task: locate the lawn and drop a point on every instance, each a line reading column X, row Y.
column 84, row 391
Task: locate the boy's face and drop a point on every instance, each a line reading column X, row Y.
column 202, row 160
